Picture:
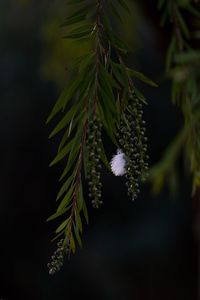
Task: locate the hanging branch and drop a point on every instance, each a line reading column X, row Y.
column 101, row 96
column 182, row 65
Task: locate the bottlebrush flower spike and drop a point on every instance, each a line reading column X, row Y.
column 118, row 163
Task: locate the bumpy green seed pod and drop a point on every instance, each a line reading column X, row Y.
column 57, row 259
column 132, row 141
column 94, row 150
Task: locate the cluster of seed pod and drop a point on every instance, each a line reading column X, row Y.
column 133, row 143
column 94, row 166
column 57, row 259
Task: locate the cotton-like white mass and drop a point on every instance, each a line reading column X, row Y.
column 118, row 163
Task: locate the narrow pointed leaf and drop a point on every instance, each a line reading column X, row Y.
column 66, row 200
column 141, row 77
column 65, row 120
column 62, row 226
column 64, row 187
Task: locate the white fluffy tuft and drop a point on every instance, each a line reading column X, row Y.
column 118, row 163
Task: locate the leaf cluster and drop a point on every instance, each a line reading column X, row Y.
column 182, row 66
column 101, row 89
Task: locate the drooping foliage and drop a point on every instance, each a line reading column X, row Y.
column 100, row 98
column 182, row 66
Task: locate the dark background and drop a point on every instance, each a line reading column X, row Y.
column 132, row 250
